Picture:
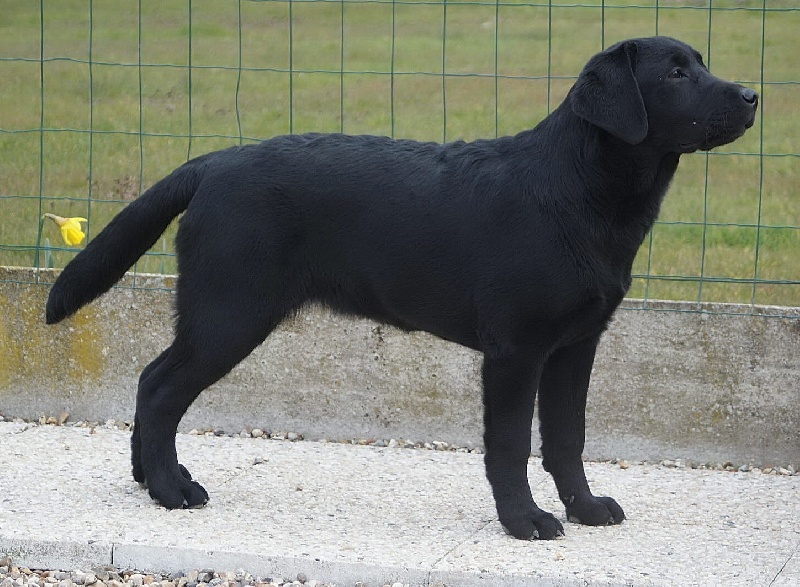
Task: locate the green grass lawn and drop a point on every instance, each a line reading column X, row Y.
column 120, row 108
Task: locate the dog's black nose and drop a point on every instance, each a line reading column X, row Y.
column 750, row 96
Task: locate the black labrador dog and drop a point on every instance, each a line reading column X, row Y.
column 518, row 247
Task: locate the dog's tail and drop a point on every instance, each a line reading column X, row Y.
column 126, row 238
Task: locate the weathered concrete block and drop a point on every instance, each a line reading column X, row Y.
column 669, row 381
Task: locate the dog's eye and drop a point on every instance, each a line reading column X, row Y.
column 677, row 73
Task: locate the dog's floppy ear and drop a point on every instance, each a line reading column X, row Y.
column 607, row 94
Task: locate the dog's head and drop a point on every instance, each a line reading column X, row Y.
column 657, row 91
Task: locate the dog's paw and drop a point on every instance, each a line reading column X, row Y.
column 533, row 525
column 594, row 511
column 138, row 474
column 178, row 491
column 185, row 472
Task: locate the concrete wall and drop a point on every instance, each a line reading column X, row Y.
column 667, row 383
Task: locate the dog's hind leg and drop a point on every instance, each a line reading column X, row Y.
column 211, row 338
column 509, row 393
column 136, row 445
column 562, row 406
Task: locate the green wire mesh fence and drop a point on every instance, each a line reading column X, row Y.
column 100, row 99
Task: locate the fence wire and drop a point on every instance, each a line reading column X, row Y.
column 100, row 99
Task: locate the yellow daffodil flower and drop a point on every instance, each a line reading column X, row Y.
column 70, row 228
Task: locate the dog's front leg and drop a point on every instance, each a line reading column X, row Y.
column 562, row 405
column 509, row 391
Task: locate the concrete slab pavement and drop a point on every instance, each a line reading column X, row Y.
column 341, row 514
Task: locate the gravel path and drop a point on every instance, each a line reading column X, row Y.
column 12, row 576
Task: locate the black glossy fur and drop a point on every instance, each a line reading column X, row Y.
column 519, row 247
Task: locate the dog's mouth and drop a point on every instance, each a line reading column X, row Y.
column 719, row 140
column 718, row 132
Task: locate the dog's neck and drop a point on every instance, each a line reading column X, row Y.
column 623, row 184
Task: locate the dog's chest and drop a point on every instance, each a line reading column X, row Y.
column 588, row 319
